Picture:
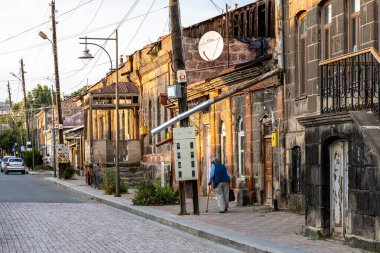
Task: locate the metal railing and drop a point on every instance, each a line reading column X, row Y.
column 351, row 82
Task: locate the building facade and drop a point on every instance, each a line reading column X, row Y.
column 332, row 115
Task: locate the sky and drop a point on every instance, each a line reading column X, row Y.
column 144, row 22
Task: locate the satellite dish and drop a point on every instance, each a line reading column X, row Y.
column 210, row 46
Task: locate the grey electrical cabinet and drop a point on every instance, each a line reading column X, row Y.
column 185, row 153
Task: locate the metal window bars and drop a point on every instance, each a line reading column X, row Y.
column 351, row 82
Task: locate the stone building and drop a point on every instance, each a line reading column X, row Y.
column 238, row 129
column 332, row 115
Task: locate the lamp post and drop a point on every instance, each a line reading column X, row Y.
column 57, row 86
column 87, row 56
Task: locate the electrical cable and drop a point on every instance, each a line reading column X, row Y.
column 79, row 34
column 34, row 27
column 138, row 29
column 217, row 7
column 93, row 18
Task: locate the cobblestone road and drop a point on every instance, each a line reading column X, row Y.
column 89, row 227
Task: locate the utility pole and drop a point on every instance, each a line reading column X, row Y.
column 9, row 96
column 179, row 64
column 10, row 110
column 62, row 166
column 53, row 122
column 25, row 105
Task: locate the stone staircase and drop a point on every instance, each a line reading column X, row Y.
column 132, row 174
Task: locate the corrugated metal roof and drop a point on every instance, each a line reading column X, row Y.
column 124, row 87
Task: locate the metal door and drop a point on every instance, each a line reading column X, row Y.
column 268, row 162
column 339, row 186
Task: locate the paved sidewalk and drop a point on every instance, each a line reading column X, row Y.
column 249, row 229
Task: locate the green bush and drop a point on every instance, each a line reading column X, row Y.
column 68, row 173
column 28, row 158
column 152, row 193
column 109, row 183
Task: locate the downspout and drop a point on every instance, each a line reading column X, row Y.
column 281, row 63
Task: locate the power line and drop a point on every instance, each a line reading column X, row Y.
column 82, row 33
column 105, row 42
column 43, row 23
column 138, row 29
column 217, row 7
column 93, row 18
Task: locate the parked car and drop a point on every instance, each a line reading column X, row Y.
column 4, row 161
column 14, row 164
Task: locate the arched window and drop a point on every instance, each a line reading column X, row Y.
column 354, row 23
column 223, row 142
column 241, row 147
column 158, row 119
column 302, row 54
column 150, row 120
column 296, row 175
column 326, row 30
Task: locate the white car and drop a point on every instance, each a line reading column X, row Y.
column 4, row 161
column 14, row 164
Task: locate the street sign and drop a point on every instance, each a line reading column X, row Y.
column 181, row 76
column 62, row 153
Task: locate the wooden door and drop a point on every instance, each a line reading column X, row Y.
column 339, row 189
column 268, row 169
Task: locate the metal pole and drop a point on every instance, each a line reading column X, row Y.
column 57, row 86
column 117, row 188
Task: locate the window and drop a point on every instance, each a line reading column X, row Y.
column 354, row 23
column 302, row 61
column 296, row 176
column 241, row 147
column 326, row 31
column 223, row 142
column 158, row 119
column 150, row 120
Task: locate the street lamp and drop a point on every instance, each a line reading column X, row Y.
column 86, row 56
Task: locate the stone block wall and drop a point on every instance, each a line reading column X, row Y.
column 361, row 225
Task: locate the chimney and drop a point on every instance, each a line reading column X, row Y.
column 121, row 59
column 236, row 6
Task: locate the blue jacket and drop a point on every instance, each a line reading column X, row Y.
column 218, row 174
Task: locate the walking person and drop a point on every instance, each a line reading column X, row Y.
column 220, row 179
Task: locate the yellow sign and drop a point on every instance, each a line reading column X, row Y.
column 274, row 139
column 143, row 130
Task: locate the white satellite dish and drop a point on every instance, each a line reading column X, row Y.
column 210, row 46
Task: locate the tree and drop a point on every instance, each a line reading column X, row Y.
column 40, row 96
column 78, row 92
column 7, row 141
column 28, row 158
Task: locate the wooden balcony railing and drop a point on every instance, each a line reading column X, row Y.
column 351, row 82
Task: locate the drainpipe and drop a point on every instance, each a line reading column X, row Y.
column 281, row 56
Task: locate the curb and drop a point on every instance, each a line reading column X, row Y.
column 229, row 238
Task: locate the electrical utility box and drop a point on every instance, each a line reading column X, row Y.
column 185, row 155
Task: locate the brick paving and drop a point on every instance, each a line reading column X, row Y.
column 256, row 221
column 89, row 227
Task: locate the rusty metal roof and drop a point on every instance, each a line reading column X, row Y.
column 124, row 87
